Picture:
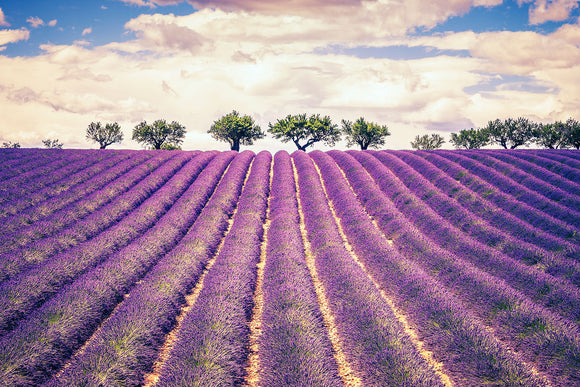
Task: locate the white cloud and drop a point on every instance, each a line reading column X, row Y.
column 52, row 23
column 195, row 68
column 35, row 21
column 87, row 31
column 12, row 36
column 551, row 10
column 3, row 21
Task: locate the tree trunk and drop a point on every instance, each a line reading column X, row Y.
column 103, row 146
column 235, row 146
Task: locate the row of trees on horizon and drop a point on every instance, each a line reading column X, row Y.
column 305, row 131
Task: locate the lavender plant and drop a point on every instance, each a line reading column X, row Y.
column 27, row 290
column 515, row 190
column 449, row 329
column 374, row 339
column 294, row 346
column 39, row 244
column 491, row 193
column 517, row 319
column 126, row 345
column 38, row 346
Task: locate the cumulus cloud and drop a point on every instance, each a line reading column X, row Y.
column 3, row 21
column 87, row 31
column 12, row 36
column 195, row 68
column 52, row 23
column 542, row 11
column 165, row 33
column 35, row 21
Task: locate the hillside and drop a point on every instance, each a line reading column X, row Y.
column 415, row 268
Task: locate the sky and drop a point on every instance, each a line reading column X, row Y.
column 418, row 67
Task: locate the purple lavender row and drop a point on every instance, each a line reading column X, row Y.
column 456, row 229
column 144, row 318
column 44, row 173
column 557, row 294
column 374, row 340
column 543, row 174
column 16, row 161
column 514, row 190
column 514, row 316
column 571, row 153
column 105, row 192
column 25, row 160
column 484, row 209
column 53, row 204
column 215, row 332
column 566, row 163
column 293, row 347
column 526, row 213
column 58, row 180
column 527, row 180
column 67, row 183
column 138, row 184
column 457, row 338
column 559, row 162
column 39, row 345
column 30, row 288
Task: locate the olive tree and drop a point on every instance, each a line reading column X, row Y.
column 365, row 134
column 551, row 136
column 305, row 131
column 52, row 144
column 573, row 133
column 470, row 138
column 427, row 142
column 236, row 130
column 511, row 133
column 104, row 135
column 10, row 144
column 159, row 134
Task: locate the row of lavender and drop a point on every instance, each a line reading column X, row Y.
column 478, row 249
column 515, row 305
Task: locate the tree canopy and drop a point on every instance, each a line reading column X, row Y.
column 511, row 133
column 428, row 142
column 236, row 130
column 470, row 139
column 52, row 144
column 104, row 135
column 365, row 134
column 572, row 130
column 10, row 144
column 305, row 131
column 159, row 134
column 551, row 136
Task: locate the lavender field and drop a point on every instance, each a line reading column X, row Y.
column 374, row 268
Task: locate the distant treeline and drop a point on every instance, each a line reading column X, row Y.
column 304, row 131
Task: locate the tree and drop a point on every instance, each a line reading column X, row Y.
column 159, row 133
column 427, row 142
column 105, row 136
column 470, row 138
column 10, row 144
column 573, row 133
column 299, row 128
column 365, row 134
column 170, row 147
column 236, row 130
column 551, row 136
column 52, row 144
column 511, row 133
